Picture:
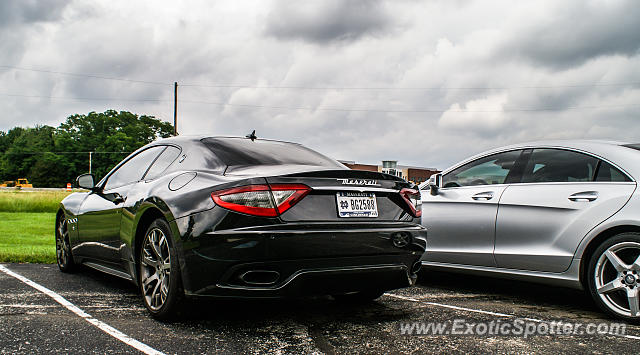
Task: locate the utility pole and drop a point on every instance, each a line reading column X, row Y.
column 90, row 162
column 175, row 108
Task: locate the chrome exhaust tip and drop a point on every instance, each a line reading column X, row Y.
column 260, row 277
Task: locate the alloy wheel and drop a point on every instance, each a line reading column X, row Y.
column 617, row 278
column 156, row 268
column 62, row 243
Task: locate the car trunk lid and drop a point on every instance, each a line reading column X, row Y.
column 346, row 196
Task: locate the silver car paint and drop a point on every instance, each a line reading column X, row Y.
column 451, row 239
column 538, row 226
column 629, row 215
column 530, row 242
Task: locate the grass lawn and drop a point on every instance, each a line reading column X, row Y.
column 27, row 237
column 30, row 201
column 27, row 222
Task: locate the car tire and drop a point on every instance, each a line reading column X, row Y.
column 359, row 297
column 159, row 272
column 64, row 257
column 613, row 276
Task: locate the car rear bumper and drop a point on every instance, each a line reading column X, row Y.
column 319, row 281
column 306, row 259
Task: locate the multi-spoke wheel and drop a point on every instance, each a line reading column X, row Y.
column 63, row 249
column 614, row 277
column 159, row 272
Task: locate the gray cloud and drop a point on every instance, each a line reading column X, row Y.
column 441, row 45
column 30, row 11
column 577, row 32
column 19, row 20
column 327, row 20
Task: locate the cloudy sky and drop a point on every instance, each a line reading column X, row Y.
column 423, row 82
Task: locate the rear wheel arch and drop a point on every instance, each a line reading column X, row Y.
column 163, row 284
column 595, row 243
column 147, row 218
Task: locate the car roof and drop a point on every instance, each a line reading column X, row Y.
column 196, row 138
column 612, row 151
column 569, row 143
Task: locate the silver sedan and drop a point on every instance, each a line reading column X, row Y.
column 564, row 213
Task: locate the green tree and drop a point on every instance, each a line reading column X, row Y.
column 51, row 170
column 6, row 139
column 118, row 133
column 54, row 156
column 25, row 150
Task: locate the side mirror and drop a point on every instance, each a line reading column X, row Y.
column 435, row 183
column 85, row 181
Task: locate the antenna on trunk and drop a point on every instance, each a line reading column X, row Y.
column 252, row 136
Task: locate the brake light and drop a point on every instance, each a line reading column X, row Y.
column 287, row 195
column 261, row 200
column 412, row 198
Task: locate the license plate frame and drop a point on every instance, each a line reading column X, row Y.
column 357, row 204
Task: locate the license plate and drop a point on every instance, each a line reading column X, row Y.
column 357, row 204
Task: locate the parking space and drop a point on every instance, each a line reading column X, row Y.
column 33, row 322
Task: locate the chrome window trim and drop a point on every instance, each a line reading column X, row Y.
column 576, row 150
column 468, row 161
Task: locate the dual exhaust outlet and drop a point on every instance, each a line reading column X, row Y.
column 270, row 277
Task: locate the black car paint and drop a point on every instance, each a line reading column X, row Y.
column 308, row 242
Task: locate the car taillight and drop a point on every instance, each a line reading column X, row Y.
column 412, row 197
column 261, row 200
column 287, row 195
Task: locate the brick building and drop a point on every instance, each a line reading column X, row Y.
column 416, row 174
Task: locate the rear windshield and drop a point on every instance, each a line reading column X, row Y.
column 244, row 152
column 633, row 146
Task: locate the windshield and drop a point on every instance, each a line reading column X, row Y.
column 245, row 152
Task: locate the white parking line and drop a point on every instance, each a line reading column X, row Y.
column 80, row 313
column 505, row 315
column 458, row 308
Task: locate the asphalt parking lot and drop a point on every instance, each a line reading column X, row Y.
column 33, row 322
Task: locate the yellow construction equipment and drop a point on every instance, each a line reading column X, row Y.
column 18, row 183
column 23, row 183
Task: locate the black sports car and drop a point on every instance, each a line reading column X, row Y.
column 242, row 217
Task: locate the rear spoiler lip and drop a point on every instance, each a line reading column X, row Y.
column 306, row 171
column 355, row 188
column 272, row 170
column 347, row 174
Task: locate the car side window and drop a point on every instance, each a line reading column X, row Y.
column 608, row 173
column 162, row 163
column 133, row 169
column 557, row 165
column 489, row 170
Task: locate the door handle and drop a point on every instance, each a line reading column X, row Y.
column 486, row 196
column 586, row 196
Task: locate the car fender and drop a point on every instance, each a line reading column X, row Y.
column 70, row 206
column 627, row 215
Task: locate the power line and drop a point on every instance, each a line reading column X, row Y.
column 85, row 75
column 337, row 88
column 439, row 110
column 82, row 98
column 356, row 88
column 321, row 108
